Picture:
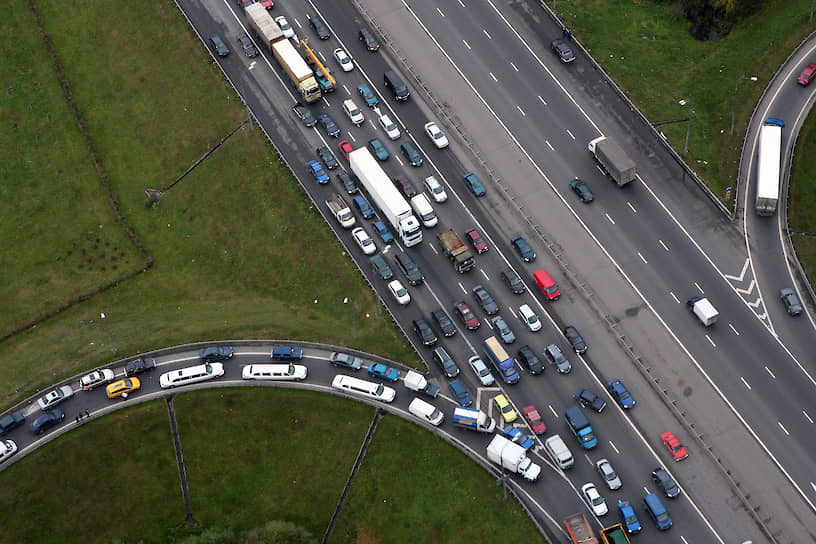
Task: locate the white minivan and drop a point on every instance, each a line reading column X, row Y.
column 422, row 207
column 353, row 112
column 435, row 188
column 559, row 452
column 274, row 372
column 363, row 388
column 426, row 412
column 191, row 374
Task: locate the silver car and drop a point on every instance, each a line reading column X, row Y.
column 608, row 474
column 481, row 371
column 52, row 398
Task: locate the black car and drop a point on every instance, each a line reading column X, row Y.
column 575, row 339
column 405, row 186
column 381, row 267
column 11, row 421
column 665, row 482
column 47, row 420
column 409, row 268
column 513, row 281
column 444, row 322
column 137, row 366
column 588, row 399
column 328, row 124
column 219, row 46
column 327, row 157
column 485, row 300
column 369, row 40
column 446, row 362
column 304, row 114
column 319, row 27
column 411, row 154
column 530, row 360
column 424, row 332
column 214, row 354
column 247, row 46
column 563, row 50
column 348, row 180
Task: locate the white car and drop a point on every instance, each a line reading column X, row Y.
column 343, row 60
column 284, row 25
column 364, row 240
column 400, row 292
column 389, row 127
column 7, row 449
column 52, row 398
column 290, row 372
column 530, row 318
column 594, row 499
column 436, row 135
column 610, row 477
column 435, row 188
column 97, row 377
column 481, row 371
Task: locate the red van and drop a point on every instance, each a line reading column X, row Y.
column 547, row 285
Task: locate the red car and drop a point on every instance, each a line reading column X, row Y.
column 534, row 419
column 476, row 241
column 345, row 148
column 674, row 446
column 807, row 74
column 467, row 316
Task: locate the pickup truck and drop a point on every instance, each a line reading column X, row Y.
column 137, row 366
column 287, row 353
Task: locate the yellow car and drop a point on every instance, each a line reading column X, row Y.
column 505, row 408
column 123, row 387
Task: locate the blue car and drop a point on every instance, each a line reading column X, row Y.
column 518, row 437
column 621, row 394
column 317, row 171
column 378, row 149
column 458, row 390
column 368, row 95
column 628, row 517
column 214, row 354
column 379, row 370
column 363, row 206
column 523, row 249
column 474, row 184
column 382, row 231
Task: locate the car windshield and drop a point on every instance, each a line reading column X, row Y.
column 509, row 371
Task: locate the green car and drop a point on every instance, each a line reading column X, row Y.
column 580, row 188
column 378, row 149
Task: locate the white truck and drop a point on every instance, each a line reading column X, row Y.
column 417, row 382
column 512, row 457
column 385, row 196
column 613, row 159
column 473, row 419
column 424, row 210
column 704, row 310
column 768, row 167
column 341, row 211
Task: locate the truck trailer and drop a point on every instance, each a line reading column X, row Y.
column 579, row 424
column 512, row 457
column 455, row 249
column 266, row 29
column 768, row 167
column 385, row 196
column 613, row 159
column 579, row 529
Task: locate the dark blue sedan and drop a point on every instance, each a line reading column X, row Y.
column 523, row 249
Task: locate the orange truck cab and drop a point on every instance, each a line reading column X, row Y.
column 547, row 285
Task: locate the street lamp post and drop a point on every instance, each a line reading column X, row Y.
column 348, row 301
column 110, row 338
column 688, row 128
column 734, row 105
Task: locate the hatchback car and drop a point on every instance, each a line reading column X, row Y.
column 349, row 183
column 379, row 370
column 319, row 27
column 665, row 482
column 435, row 188
column 443, row 321
column 400, row 292
column 390, row 127
column 247, row 46
column 621, row 394
column 523, row 249
column 594, row 499
column 588, row 399
column 368, row 95
column 564, row 52
column 459, row 392
column 534, row 419
column 807, row 74
column 378, row 149
column 304, row 114
column 485, row 300
column 449, row 367
column 409, row 268
column 123, row 388
column 436, row 135
column 363, row 240
column 368, row 40
column 791, row 301
column 529, row 317
column 530, row 359
column 517, row 436
column 215, row 354
column 54, row 397
column 482, row 372
column 475, row 238
column 328, row 124
column 288, row 31
column 474, row 185
column 219, row 46
column 343, row 59
column 582, row 190
column 503, row 329
column 345, row 148
column 327, row 157
column 405, row 186
column 424, row 332
column 411, row 154
column 317, row 171
column 97, row 377
column 555, row 355
column 674, row 445
column 608, row 474
column 47, row 420
column 362, row 206
column 628, row 517
column 345, row 360
column 466, row 315
column 575, row 339
column 505, row 408
column 513, row 281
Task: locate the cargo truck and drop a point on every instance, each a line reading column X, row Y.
column 704, row 310
column 385, row 196
column 579, row 424
column 473, row 419
column 417, row 382
column 579, row 529
column 613, row 159
column 266, row 29
column 768, row 167
column 512, row 457
column 341, row 211
column 614, row 535
column 456, row 250
column 505, row 364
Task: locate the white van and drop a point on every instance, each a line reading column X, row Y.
column 422, row 207
column 353, row 112
column 426, row 412
column 363, row 388
column 192, row 374
column 274, row 372
column 559, row 452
